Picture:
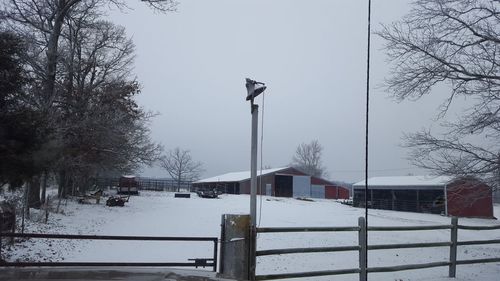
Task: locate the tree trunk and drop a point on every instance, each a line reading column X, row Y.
column 44, row 187
column 52, row 52
column 34, row 193
column 63, row 184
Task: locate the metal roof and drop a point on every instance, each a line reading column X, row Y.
column 238, row 176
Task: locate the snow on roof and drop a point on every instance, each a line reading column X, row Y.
column 402, row 181
column 238, row 176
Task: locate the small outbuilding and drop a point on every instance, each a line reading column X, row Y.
column 128, row 185
column 279, row 182
column 462, row 197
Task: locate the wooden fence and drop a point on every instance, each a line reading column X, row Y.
column 363, row 270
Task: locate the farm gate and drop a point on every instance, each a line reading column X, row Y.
column 194, row 262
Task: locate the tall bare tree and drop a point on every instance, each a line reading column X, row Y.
column 455, row 43
column 75, row 60
column 180, row 166
column 307, row 158
column 49, row 18
column 102, row 127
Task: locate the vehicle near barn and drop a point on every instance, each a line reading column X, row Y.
column 115, row 201
column 128, row 185
column 208, row 193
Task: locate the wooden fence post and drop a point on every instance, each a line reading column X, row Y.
column 222, row 244
column 362, row 249
column 453, row 247
column 253, row 249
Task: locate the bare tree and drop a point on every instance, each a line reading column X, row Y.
column 181, row 167
column 49, row 17
column 455, row 43
column 102, row 126
column 79, row 67
column 307, row 158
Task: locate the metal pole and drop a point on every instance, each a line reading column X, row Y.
column 215, row 255
column 363, row 249
column 253, row 166
column 253, row 191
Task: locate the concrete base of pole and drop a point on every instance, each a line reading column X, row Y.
column 235, row 247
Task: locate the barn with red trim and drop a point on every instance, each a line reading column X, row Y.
column 461, row 197
column 279, row 182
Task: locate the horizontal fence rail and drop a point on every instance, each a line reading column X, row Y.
column 363, row 269
column 489, row 227
column 478, row 261
column 406, row 267
column 197, row 262
column 306, row 250
column 106, row 237
column 306, row 229
column 478, row 242
column 407, row 246
column 307, row 274
column 408, row 228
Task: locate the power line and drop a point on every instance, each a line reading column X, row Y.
column 366, row 136
column 372, row 170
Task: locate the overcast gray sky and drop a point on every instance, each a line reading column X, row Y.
column 311, row 55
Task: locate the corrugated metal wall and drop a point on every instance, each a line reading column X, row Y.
column 301, row 186
column 469, row 199
column 317, row 191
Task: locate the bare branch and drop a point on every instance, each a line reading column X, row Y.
column 180, row 166
column 307, row 158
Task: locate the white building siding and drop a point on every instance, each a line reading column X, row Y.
column 301, row 186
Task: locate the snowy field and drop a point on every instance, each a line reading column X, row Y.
column 160, row 214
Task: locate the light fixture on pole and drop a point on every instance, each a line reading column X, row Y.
column 254, row 88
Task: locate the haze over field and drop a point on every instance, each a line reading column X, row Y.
column 312, row 57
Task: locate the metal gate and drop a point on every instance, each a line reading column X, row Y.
column 194, row 262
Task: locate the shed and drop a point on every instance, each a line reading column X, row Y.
column 279, row 182
column 128, row 184
column 464, row 197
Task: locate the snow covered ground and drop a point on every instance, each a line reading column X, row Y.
column 160, row 214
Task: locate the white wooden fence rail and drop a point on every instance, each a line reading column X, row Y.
column 363, row 270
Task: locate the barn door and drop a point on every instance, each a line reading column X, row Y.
column 301, row 186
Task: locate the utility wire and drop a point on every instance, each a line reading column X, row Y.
column 372, row 170
column 366, row 133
